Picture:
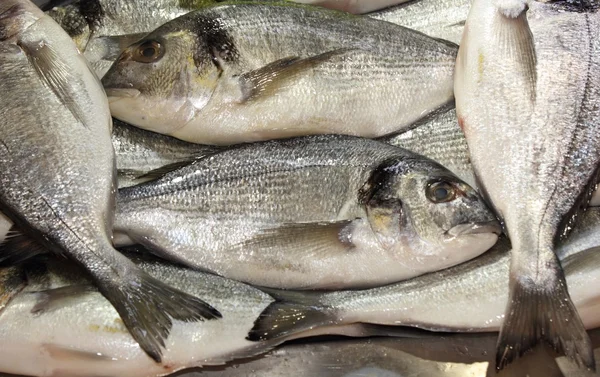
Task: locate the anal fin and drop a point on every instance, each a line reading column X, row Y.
column 543, row 313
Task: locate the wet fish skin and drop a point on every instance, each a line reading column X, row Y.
column 313, row 212
column 470, row 297
column 57, row 187
column 247, row 84
column 64, row 337
column 438, row 18
column 353, row 6
column 506, row 97
column 140, row 153
column 438, row 137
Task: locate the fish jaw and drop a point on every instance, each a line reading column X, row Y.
column 130, row 106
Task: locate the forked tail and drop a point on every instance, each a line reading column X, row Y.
column 546, row 313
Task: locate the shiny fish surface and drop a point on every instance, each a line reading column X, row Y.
column 470, row 297
column 312, row 212
column 57, row 170
column 527, row 98
column 236, row 73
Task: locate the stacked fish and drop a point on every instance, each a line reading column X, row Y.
column 277, row 171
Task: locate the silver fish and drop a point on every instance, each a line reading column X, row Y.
column 470, row 297
column 236, row 73
column 57, row 170
column 528, row 100
column 312, row 212
column 353, row 6
column 142, row 155
column 437, row 18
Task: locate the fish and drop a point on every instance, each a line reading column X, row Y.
column 528, row 101
column 353, row 6
column 438, row 137
column 443, row 19
column 324, row 211
column 57, row 172
column 238, row 75
column 143, row 155
column 470, row 297
column 101, row 29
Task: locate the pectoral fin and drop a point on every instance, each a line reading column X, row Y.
column 321, row 240
column 55, row 73
column 268, row 79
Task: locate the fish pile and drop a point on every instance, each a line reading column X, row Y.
column 190, row 183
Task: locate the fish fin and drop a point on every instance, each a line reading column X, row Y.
column 514, row 36
column 12, row 281
column 547, row 314
column 265, row 80
column 17, row 248
column 370, row 329
column 316, row 238
column 116, row 44
column 55, row 73
column 148, row 307
column 56, row 298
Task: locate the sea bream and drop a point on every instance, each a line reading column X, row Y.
column 237, row 73
column 57, row 171
column 470, row 297
column 528, row 101
column 314, row 212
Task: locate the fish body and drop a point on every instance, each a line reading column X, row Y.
column 438, row 18
column 313, row 212
column 57, row 168
column 353, row 6
column 60, row 325
column 140, row 153
column 237, row 73
column 527, row 98
column 470, row 297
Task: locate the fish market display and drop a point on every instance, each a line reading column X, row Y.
column 528, row 102
column 312, row 212
column 237, row 73
column 141, row 154
column 57, row 185
column 466, row 298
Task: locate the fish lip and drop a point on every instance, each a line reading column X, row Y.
column 115, row 94
column 475, row 228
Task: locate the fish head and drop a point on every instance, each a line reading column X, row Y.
column 161, row 81
column 417, row 206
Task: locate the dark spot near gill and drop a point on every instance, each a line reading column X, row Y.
column 92, row 12
column 215, row 42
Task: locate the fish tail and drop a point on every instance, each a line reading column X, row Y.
column 148, row 306
column 537, row 312
column 291, row 313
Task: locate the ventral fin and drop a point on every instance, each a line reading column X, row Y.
column 265, row 81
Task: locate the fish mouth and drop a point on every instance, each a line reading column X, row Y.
column 475, row 228
column 115, row 94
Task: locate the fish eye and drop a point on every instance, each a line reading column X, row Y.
column 148, row 52
column 440, row 192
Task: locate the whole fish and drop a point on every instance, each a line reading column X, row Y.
column 470, row 297
column 252, row 72
column 141, row 155
column 437, row 18
column 57, row 171
column 528, row 100
column 313, row 212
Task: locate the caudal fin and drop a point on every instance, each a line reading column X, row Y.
column 291, row 313
column 543, row 313
column 148, row 306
